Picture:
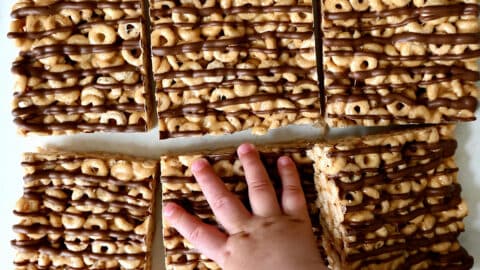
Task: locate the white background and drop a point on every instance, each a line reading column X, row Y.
column 12, row 145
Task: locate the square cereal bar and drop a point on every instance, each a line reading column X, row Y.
column 85, row 211
column 391, row 201
column 82, row 67
column 400, row 62
column 227, row 66
column 179, row 185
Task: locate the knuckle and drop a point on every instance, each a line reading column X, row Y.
column 220, row 202
column 259, row 185
column 196, row 234
column 292, row 189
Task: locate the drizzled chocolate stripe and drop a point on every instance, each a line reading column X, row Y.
column 204, row 12
column 417, row 196
column 466, row 55
column 447, row 146
column 440, row 39
column 201, row 111
column 454, row 72
column 67, row 253
column 361, row 239
column 463, row 103
column 355, row 228
column 20, row 68
column 40, row 127
column 308, row 25
column 237, row 43
column 55, row 8
column 78, row 49
column 64, row 90
column 234, row 72
column 71, row 28
column 424, row 13
column 59, row 109
column 230, row 83
column 400, row 119
column 413, row 13
column 360, row 87
column 102, row 234
column 51, row 174
column 422, row 242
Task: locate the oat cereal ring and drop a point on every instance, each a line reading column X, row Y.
column 43, row 100
column 57, row 21
column 163, row 37
column 113, row 14
column 79, row 40
column 130, row 264
column 399, row 188
column 103, row 247
column 353, row 198
column 227, row 57
column 359, row 5
column 191, row 66
column 178, row 17
column 72, row 221
column 223, row 168
column 35, row 23
column 122, row 224
column 163, row 102
column 60, row 68
column 368, row 160
column 122, row 170
column 50, row 60
column 144, row 193
column 102, row 34
column 72, row 243
column 94, row 167
column 68, row 98
column 130, row 30
column 133, row 57
column 213, row 65
column 117, row 117
column 204, row 4
column 362, row 63
column 244, row 90
column 467, row 26
column 398, row 108
column 92, row 96
column 358, row 107
column 337, row 6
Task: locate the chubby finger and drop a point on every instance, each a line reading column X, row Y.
column 206, row 238
column 260, row 190
column 293, row 198
column 228, row 209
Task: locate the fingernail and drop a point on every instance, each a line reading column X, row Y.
column 168, row 209
column 199, row 164
column 245, row 148
column 284, row 161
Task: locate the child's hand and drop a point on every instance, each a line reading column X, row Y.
column 273, row 237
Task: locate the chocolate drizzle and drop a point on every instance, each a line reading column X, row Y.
column 43, row 187
column 55, row 8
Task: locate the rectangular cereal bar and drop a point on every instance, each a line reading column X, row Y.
column 227, row 66
column 400, row 62
column 85, row 211
column 82, row 67
column 391, row 201
column 179, row 185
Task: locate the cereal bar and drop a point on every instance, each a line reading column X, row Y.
column 81, row 67
column 85, row 211
column 391, row 201
column 226, row 66
column 179, row 185
column 400, row 61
